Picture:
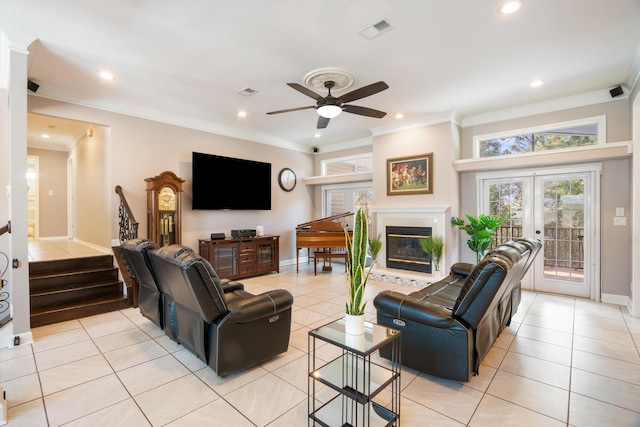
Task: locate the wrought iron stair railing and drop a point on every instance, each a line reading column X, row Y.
column 128, row 227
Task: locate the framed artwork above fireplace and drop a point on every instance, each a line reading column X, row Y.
column 410, row 175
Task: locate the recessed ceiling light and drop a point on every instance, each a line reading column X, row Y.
column 536, row 83
column 45, row 136
column 510, row 7
column 316, row 135
column 399, row 116
column 242, row 113
column 107, row 75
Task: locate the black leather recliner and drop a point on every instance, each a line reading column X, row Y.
column 528, row 249
column 229, row 331
column 150, row 301
column 533, row 246
column 150, row 294
column 449, row 326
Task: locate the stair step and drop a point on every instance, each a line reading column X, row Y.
column 70, row 279
column 39, row 268
column 76, row 294
column 68, row 289
column 90, row 308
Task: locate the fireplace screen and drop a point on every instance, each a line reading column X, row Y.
column 404, row 251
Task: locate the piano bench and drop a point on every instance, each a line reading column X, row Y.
column 325, row 255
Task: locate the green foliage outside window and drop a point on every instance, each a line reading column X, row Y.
column 534, row 142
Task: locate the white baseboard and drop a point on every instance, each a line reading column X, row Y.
column 623, row 300
column 4, row 408
column 285, row 262
column 8, row 339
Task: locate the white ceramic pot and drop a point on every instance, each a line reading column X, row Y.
column 354, row 324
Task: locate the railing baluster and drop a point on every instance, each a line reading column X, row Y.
column 128, row 225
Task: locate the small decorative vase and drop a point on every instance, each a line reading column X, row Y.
column 354, row 324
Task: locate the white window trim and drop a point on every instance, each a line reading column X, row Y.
column 601, row 121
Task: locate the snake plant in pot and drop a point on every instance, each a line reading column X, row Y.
column 357, row 274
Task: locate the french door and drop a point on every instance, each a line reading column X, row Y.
column 559, row 207
column 338, row 199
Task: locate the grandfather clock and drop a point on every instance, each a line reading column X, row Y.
column 164, row 208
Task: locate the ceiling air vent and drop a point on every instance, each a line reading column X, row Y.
column 247, row 91
column 375, row 29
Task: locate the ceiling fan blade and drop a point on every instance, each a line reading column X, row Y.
column 364, row 91
column 364, row 111
column 291, row 109
column 322, row 122
column 305, row 91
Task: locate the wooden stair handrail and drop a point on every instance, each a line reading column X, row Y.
column 128, row 224
column 5, row 228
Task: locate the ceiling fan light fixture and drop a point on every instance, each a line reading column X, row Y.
column 329, row 111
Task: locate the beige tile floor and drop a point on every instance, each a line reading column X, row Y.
column 563, row 362
column 44, row 250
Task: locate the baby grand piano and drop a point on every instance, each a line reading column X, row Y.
column 325, row 233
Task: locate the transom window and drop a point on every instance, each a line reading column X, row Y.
column 566, row 135
column 351, row 164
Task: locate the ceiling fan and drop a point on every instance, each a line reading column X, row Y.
column 329, row 106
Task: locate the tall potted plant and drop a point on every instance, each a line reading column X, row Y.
column 356, row 275
column 375, row 244
column 480, row 231
column 434, row 247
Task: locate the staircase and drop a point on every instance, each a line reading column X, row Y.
column 73, row 288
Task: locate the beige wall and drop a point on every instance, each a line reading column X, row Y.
column 617, row 113
column 436, row 139
column 142, row 148
column 615, row 190
column 52, row 178
column 616, row 240
column 91, row 180
column 441, row 140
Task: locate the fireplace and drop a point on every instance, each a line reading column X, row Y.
column 403, row 250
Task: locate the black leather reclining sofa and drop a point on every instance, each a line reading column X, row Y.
column 217, row 320
column 449, row 326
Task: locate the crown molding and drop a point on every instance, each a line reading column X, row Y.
column 431, row 119
column 634, row 72
column 339, row 146
column 568, row 102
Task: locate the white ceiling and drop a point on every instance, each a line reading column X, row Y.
column 185, row 62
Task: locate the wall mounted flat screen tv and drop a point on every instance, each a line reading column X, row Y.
column 227, row 183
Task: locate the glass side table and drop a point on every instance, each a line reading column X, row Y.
column 354, row 379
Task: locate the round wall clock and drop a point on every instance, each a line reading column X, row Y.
column 287, row 179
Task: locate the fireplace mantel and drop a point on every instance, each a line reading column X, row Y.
column 408, row 210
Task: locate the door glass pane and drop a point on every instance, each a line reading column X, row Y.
column 340, row 201
column 564, row 229
column 505, row 201
column 337, row 202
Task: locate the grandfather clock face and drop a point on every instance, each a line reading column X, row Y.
column 167, row 199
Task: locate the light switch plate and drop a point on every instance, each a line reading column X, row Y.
column 619, row 211
column 620, row 220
